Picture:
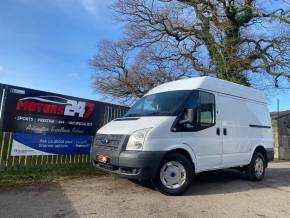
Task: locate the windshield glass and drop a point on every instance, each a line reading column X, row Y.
column 160, row 104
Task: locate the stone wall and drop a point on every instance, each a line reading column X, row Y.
column 275, row 138
column 281, row 134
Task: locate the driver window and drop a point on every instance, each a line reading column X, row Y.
column 203, row 104
column 191, row 104
column 206, row 109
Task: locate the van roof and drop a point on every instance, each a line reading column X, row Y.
column 211, row 84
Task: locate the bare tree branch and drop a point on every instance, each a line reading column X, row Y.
column 166, row 40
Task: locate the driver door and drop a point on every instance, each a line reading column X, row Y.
column 204, row 137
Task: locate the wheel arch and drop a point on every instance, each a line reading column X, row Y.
column 260, row 148
column 184, row 150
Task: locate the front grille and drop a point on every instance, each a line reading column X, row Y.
column 109, row 140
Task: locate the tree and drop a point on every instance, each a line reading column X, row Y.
column 236, row 40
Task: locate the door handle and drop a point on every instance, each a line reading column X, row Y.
column 218, row 131
column 225, row 131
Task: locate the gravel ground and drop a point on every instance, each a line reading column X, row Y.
column 224, row 193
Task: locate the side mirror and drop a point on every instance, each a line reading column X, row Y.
column 191, row 117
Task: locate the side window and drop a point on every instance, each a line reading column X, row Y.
column 192, row 103
column 206, row 109
column 203, row 104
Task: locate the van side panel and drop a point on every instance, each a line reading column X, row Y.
column 247, row 124
column 260, row 127
column 235, row 118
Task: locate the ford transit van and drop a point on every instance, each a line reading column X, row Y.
column 185, row 127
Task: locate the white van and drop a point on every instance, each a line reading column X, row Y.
column 186, row 127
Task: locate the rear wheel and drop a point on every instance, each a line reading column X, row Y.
column 175, row 174
column 255, row 171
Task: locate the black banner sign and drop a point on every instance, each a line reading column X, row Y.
column 2, row 95
column 33, row 111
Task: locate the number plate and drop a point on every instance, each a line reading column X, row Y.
column 106, row 166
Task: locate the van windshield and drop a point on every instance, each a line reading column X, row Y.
column 159, row 104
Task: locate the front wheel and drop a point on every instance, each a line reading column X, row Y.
column 255, row 171
column 175, row 174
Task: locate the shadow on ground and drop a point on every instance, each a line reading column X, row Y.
column 233, row 181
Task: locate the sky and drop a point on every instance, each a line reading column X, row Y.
column 47, row 45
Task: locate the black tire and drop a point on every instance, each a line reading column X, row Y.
column 188, row 176
column 251, row 172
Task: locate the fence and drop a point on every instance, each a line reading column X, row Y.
column 8, row 162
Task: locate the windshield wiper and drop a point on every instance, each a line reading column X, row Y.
column 157, row 113
column 133, row 115
column 149, row 114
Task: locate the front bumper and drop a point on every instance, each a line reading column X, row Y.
column 130, row 164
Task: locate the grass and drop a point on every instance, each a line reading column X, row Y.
column 43, row 175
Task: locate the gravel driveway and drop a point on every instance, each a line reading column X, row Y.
column 223, row 193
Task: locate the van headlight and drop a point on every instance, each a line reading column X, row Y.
column 137, row 139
